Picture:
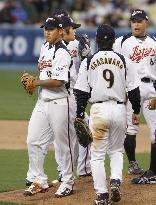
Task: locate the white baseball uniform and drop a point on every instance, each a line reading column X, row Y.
column 108, row 77
column 142, row 53
column 81, row 154
column 50, row 118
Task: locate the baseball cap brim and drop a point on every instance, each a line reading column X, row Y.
column 137, row 18
column 44, row 26
column 75, row 25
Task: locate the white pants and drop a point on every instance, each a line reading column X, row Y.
column 108, row 125
column 81, row 154
column 147, row 92
column 49, row 121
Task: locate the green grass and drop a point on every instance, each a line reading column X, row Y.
column 9, row 203
column 14, row 166
column 15, row 104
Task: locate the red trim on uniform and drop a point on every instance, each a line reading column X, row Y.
column 69, row 135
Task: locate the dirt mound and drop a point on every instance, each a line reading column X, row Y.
column 13, row 136
column 84, row 195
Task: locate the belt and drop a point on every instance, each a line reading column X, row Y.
column 108, row 100
column 146, row 80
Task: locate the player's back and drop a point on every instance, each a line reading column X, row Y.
column 107, row 76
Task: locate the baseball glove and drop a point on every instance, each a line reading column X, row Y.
column 27, row 81
column 84, row 46
column 83, row 133
column 152, row 104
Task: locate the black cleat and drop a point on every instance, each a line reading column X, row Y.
column 115, row 190
column 28, row 183
column 133, row 168
column 148, row 177
column 102, row 199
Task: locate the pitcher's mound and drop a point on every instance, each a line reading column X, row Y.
column 84, row 195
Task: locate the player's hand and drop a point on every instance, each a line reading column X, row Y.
column 135, row 119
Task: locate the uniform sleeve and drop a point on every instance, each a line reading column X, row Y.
column 82, row 80
column 82, row 89
column 117, row 45
column 133, row 82
column 132, row 78
column 134, row 98
column 61, row 65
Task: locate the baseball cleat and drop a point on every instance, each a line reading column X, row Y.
column 28, row 183
column 86, row 175
column 115, row 190
column 134, row 168
column 148, row 177
column 102, row 199
column 34, row 189
column 63, row 191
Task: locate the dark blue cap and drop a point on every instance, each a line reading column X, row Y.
column 68, row 21
column 138, row 14
column 105, row 32
column 52, row 22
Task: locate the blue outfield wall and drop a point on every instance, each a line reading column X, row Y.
column 22, row 44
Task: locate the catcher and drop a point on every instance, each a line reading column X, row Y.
column 28, row 82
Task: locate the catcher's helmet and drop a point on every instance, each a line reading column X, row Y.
column 105, row 36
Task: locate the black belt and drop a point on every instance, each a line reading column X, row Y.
column 146, row 80
column 108, row 100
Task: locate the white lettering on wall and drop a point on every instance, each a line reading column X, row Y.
column 20, row 46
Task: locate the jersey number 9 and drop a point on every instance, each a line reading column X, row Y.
column 109, row 77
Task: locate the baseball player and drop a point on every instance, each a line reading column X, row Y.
column 140, row 48
column 50, row 118
column 107, row 76
column 81, row 154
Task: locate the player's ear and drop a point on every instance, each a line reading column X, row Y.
column 60, row 30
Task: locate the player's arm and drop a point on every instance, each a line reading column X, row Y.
column 82, row 90
column 49, row 83
column 134, row 98
column 133, row 83
column 82, row 100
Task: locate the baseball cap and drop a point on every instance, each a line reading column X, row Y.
column 105, row 32
column 68, row 21
column 138, row 14
column 52, row 22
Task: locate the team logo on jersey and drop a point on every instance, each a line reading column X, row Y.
column 44, row 63
column 139, row 53
column 73, row 53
